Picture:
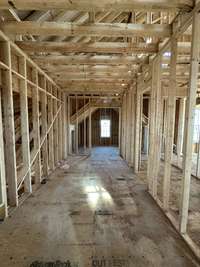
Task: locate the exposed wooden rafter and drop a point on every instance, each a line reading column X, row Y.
column 104, row 5
column 97, row 47
column 95, row 29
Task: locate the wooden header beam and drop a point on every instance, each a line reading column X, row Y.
column 89, row 68
column 96, row 29
column 93, row 91
column 92, row 60
column 102, row 79
column 93, row 86
column 98, row 6
column 97, row 47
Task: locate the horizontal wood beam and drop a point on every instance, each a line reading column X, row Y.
column 96, row 96
column 103, row 5
column 179, row 92
column 98, row 47
column 96, row 29
column 96, row 92
column 89, row 68
column 84, row 86
column 92, row 60
column 91, row 75
column 106, row 72
column 45, row 61
column 93, row 79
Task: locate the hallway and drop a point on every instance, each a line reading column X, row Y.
column 96, row 209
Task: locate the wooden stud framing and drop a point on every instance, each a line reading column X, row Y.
column 23, row 78
column 45, row 166
column 84, row 127
column 140, row 133
column 69, row 124
column 9, row 148
column 3, row 192
column 36, row 127
column 180, row 137
column 55, row 127
column 77, row 128
column 137, row 133
column 133, row 111
column 120, row 130
column 90, row 126
column 128, row 126
column 51, row 132
column 158, row 121
column 103, row 79
column 125, row 124
column 25, row 126
column 189, row 124
column 60, row 130
column 65, row 124
column 154, row 131
column 171, row 106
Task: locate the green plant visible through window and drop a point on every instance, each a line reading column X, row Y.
column 105, row 128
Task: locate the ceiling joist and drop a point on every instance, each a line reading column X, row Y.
column 96, row 29
column 97, row 47
column 84, row 59
column 95, row 5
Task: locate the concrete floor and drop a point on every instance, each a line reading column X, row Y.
column 96, row 213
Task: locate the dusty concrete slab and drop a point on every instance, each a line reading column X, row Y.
column 86, row 215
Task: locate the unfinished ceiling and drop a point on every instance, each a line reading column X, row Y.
column 96, row 47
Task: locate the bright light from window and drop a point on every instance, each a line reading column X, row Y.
column 167, row 54
column 149, row 40
column 164, row 65
column 105, row 128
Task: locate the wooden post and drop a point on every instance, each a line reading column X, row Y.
column 69, row 124
column 154, row 131
column 60, row 131
column 51, row 132
column 3, row 192
column 90, row 127
column 25, row 126
column 125, row 125
column 147, row 141
column 171, row 108
column 119, row 130
column 122, row 127
column 45, row 166
column 76, row 127
column 36, row 127
column 181, row 122
column 9, row 148
column 137, row 132
column 140, row 133
column 55, row 126
column 158, row 125
column 189, row 123
column 133, row 111
column 164, row 125
column 84, row 127
column 128, row 126
column 65, row 125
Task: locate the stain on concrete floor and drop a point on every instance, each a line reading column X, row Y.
column 89, row 217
